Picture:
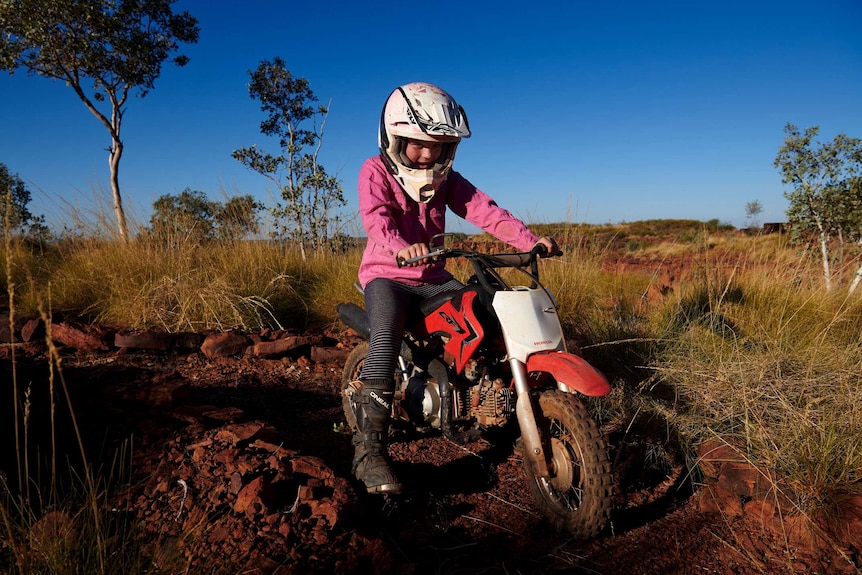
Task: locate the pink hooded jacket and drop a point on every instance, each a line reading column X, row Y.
column 393, row 220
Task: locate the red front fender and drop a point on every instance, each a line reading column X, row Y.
column 570, row 370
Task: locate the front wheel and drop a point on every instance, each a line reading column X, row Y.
column 578, row 495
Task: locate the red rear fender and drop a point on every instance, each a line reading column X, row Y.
column 571, row 370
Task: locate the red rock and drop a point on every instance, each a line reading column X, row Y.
column 82, row 338
column 157, row 341
column 226, row 456
column 248, row 495
column 713, row 453
column 6, row 336
column 740, row 478
column 797, row 530
column 235, row 482
column 765, row 512
column 320, row 534
column 218, row 533
column 305, row 494
column 204, row 443
column 32, row 329
column 271, row 519
column 846, row 522
column 52, row 534
column 714, row 498
column 312, row 467
column 188, row 340
column 237, row 432
column 281, row 346
column 267, row 446
column 224, row 344
column 326, row 511
column 195, row 517
column 198, row 455
column 276, row 464
column 706, row 500
column 284, row 529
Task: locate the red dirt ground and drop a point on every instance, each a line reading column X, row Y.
column 239, row 466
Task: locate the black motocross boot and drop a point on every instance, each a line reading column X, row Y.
column 371, row 464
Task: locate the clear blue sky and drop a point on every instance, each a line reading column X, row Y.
column 581, row 111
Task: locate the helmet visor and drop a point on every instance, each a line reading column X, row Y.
column 443, row 120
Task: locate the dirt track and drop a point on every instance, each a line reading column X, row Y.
column 240, row 467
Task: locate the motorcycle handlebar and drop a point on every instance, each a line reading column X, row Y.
column 515, row 260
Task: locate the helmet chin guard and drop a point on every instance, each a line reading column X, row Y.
column 421, row 111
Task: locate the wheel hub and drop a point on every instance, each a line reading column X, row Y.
column 561, row 466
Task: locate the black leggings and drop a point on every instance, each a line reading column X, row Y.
column 389, row 304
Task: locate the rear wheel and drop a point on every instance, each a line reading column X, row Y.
column 350, row 375
column 578, row 495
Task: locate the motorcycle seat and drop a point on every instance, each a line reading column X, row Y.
column 435, row 301
column 430, row 304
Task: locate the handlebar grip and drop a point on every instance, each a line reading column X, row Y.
column 431, row 256
column 542, row 251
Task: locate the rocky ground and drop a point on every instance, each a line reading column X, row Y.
column 240, row 465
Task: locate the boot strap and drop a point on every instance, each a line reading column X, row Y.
column 371, row 436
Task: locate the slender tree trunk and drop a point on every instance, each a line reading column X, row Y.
column 114, row 162
column 824, row 254
column 840, row 257
column 299, row 231
column 856, row 279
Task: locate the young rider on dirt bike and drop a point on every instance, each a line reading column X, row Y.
column 403, row 195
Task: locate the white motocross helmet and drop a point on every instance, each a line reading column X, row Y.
column 421, row 111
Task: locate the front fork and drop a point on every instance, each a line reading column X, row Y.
column 533, row 450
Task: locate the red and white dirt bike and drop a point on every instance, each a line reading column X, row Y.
column 493, row 354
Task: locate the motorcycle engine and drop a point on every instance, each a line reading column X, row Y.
column 491, row 402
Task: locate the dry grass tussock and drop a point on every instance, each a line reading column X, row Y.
column 776, row 370
column 186, row 285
